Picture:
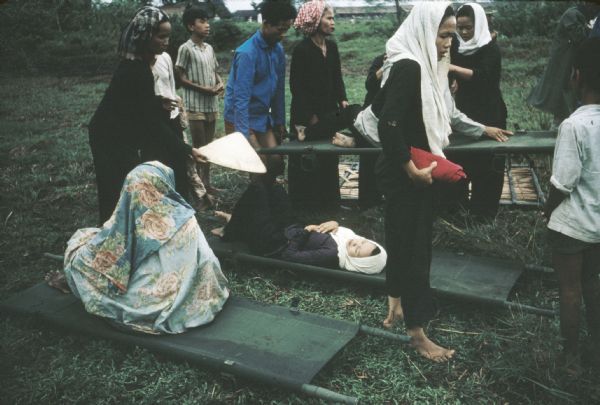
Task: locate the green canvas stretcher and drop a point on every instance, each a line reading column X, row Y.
column 266, row 343
column 465, row 277
column 521, row 142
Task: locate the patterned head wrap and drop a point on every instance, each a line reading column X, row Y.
column 309, row 16
column 139, row 31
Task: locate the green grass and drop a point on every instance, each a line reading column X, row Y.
column 48, row 191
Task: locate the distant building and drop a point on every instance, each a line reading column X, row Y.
column 245, row 15
column 364, row 12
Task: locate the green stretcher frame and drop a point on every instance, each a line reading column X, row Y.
column 463, row 277
column 520, row 142
column 270, row 344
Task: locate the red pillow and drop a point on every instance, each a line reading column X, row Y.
column 446, row 170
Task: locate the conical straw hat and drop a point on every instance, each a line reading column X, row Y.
column 235, row 152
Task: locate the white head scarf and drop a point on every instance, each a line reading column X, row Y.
column 369, row 265
column 415, row 40
column 481, row 36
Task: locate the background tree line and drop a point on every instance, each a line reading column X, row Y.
column 69, row 37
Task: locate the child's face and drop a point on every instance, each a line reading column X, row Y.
column 200, row 28
column 160, row 40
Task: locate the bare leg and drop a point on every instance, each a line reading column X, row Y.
column 220, row 231
column 266, row 140
column 203, row 132
column 394, row 312
column 568, row 270
column 56, row 279
column 427, row 348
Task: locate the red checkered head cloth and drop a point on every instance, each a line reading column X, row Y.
column 309, row 16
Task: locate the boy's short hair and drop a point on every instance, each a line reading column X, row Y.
column 587, row 61
column 193, row 12
column 274, row 12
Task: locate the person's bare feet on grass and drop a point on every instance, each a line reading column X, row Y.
column 395, row 313
column 427, row 348
column 56, row 279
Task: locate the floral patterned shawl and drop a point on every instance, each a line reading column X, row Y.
column 148, row 214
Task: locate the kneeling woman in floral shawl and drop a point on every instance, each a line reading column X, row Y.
column 149, row 268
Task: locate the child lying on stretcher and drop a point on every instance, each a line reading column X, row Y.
column 261, row 219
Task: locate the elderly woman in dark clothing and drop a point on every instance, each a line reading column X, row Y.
column 130, row 118
column 476, row 65
column 319, row 103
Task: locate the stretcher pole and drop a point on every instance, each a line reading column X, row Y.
column 327, row 395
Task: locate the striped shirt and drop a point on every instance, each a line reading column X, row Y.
column 200, row 66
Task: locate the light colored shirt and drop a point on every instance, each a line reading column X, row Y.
column 164, row 79
column 200, row 66
column 460, row 123
column 255, row 92
column 576, row 173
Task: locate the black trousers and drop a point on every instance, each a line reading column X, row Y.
column 112, row 163
column 260, row 217
column 313, row 180
column 368, row 190
column 408, row 235
column 485, row 173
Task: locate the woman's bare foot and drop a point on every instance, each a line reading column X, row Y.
column 225, row 216
column 394, row 312
column 427, row 348
column 56, row 279
column 300, row 132
column 342, row 140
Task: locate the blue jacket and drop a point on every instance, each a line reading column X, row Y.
column 255, row 92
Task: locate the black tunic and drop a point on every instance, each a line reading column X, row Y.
column 409, row 209
column 129, row 120
column 480, row 97
column 317, row 89
column 316, row 81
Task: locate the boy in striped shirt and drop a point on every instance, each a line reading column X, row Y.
column 196, row 69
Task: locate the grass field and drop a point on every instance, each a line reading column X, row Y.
column 48, row 191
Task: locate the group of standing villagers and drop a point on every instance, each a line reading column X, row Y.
column 411, row 101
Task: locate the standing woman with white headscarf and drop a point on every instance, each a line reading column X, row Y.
column 129, row 118
column 477, row 67
column 412, row 112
